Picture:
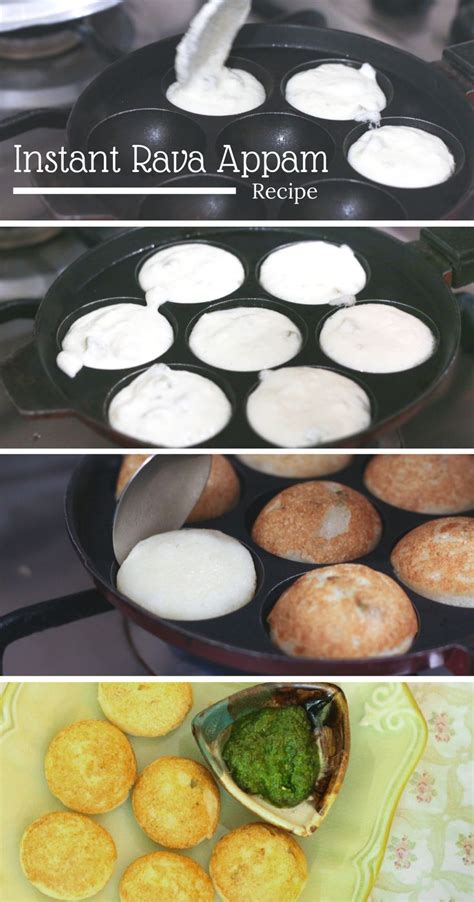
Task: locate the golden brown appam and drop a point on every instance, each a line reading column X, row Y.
column 258, row 863
column 146, row 709
column 67, row 856
column 296, row 466
column 90, row 766
column 176, row 801
column 220, row 495
column 436, row 560
column 424, row 483
column 344, row 611
column 165, row 877
column 318, row 523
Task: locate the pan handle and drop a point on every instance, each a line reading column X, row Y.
column 16, row 125
column 451, row 250
column 48, row 614
column 19, row 308
column 460, row 658
column 27, row 384
column 458, row 60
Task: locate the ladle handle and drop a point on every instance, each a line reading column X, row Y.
column 20, row 123
column 451, row 250
column 46, row 615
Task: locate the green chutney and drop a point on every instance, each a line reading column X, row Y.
column 272, row 753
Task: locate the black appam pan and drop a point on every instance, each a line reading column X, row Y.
column 126, row 104
column 240, row 640
column 412, row 275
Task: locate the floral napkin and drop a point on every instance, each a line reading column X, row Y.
column 430, row 852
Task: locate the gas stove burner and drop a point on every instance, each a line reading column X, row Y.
column 11, row 238
column 19, row 15
column 37, row 43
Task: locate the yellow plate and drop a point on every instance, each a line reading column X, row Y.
column 388, row 736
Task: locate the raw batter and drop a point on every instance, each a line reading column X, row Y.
column 376, row 338
column 173, row 408
column 296, row 407
column 190, row 273
column 245, row 338
column 402, row 157
column 337, row 91
column 313, row 272
column 189, row 574
column 115, row 337
column 204, row 84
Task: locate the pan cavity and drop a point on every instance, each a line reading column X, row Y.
column 339, row 90
column 204, row 84
column 189, row 574
column 245, row 338
column 345, row 199
column 113, row 335
column 376, row 337
column 170, row 407
column 209, row 206
column 313, row 272
column 304, row 406
column 402, row 155
column 192, row 272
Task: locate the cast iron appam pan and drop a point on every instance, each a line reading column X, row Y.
column 126, row 104
column 408, row 275
column 240, row 640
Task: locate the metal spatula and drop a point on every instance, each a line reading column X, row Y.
column 159, row 498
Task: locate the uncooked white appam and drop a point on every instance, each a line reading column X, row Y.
column 190, row 273
column 376, row 338
column 402, row 156
column 225, row 93
column 245, row 338
column 189, row 574
column 115, row 337
column 302, row 406
column 337, row 91
column 313, row 272
column 168, row 407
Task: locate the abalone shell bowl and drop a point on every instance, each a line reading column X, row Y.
column 327, row 708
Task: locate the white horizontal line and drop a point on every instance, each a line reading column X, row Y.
column 113, row 191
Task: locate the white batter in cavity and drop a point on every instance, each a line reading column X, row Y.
column 114, row 337
column 190, row 273
column 245, row 338
column 313, row 272
column 189, row 574
column 376, row 338
column 402, row 157
column 204, row 84
column 172, row 408
column 296, row 407
column 337, row 91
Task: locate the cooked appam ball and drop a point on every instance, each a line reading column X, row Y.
column 424, row 483
column 345, row 611
column 296, row 466
column 436, row 560
column 146, row 709
column 165, row 877
column 221, row 492
column 90, row 766
column 258, row 863
column 176, row 801
column 67, row 856
column 318, row 523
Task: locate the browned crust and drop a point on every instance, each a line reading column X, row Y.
column 67, row 856
column 146, row 709
column 164, row 876
column 344, row 611
column 90, row 766
column 260, row 862
column 301, row 523
column 296, row 466
column 437, row 560
column 424, row 483
column 176, row 801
